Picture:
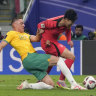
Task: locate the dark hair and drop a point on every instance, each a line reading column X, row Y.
column 70, row 15
column 79, row 26
column 14, row 19
column 91, row 35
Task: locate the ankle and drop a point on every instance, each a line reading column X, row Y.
column 74, row 84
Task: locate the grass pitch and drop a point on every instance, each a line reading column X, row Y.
column 8, row 84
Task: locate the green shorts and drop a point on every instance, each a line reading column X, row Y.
column 37, row 64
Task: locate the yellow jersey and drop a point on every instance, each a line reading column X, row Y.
column 21, row 43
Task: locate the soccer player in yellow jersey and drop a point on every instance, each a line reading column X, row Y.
column 33, row 62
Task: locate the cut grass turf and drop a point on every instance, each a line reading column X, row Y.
column 8, row 84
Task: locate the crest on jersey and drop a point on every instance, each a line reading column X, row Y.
column 42, row 25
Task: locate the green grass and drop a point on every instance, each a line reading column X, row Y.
column 8, row 85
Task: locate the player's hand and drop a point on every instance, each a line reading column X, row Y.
column 40, row 31
column 70, row 43
column 48, row 43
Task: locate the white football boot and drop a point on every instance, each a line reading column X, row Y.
column 77, row 87
column 24, row 85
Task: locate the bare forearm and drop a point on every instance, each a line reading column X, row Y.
column 38, row 37
column 34, row 38
column 2, row 45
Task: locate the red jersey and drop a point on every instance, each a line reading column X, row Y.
column 52, row 30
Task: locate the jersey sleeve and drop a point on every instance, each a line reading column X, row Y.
column 47, row 24
column 68, row 34
column 9, row 37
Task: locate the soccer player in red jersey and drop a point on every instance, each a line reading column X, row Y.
column 53, row 27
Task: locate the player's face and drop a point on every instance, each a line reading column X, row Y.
column 68, row 23
column 78, row 31
column 20, row 25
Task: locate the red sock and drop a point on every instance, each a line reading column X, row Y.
column 49, row 69
column 69, row 63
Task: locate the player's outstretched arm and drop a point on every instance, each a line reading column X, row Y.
column 47, row 24
column 2, row 45
column 68, row 35
column 36, row 38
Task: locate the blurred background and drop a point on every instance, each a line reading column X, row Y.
column 10, row 9
column 39, row 10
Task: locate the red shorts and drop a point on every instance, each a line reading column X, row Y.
column 54, row 49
